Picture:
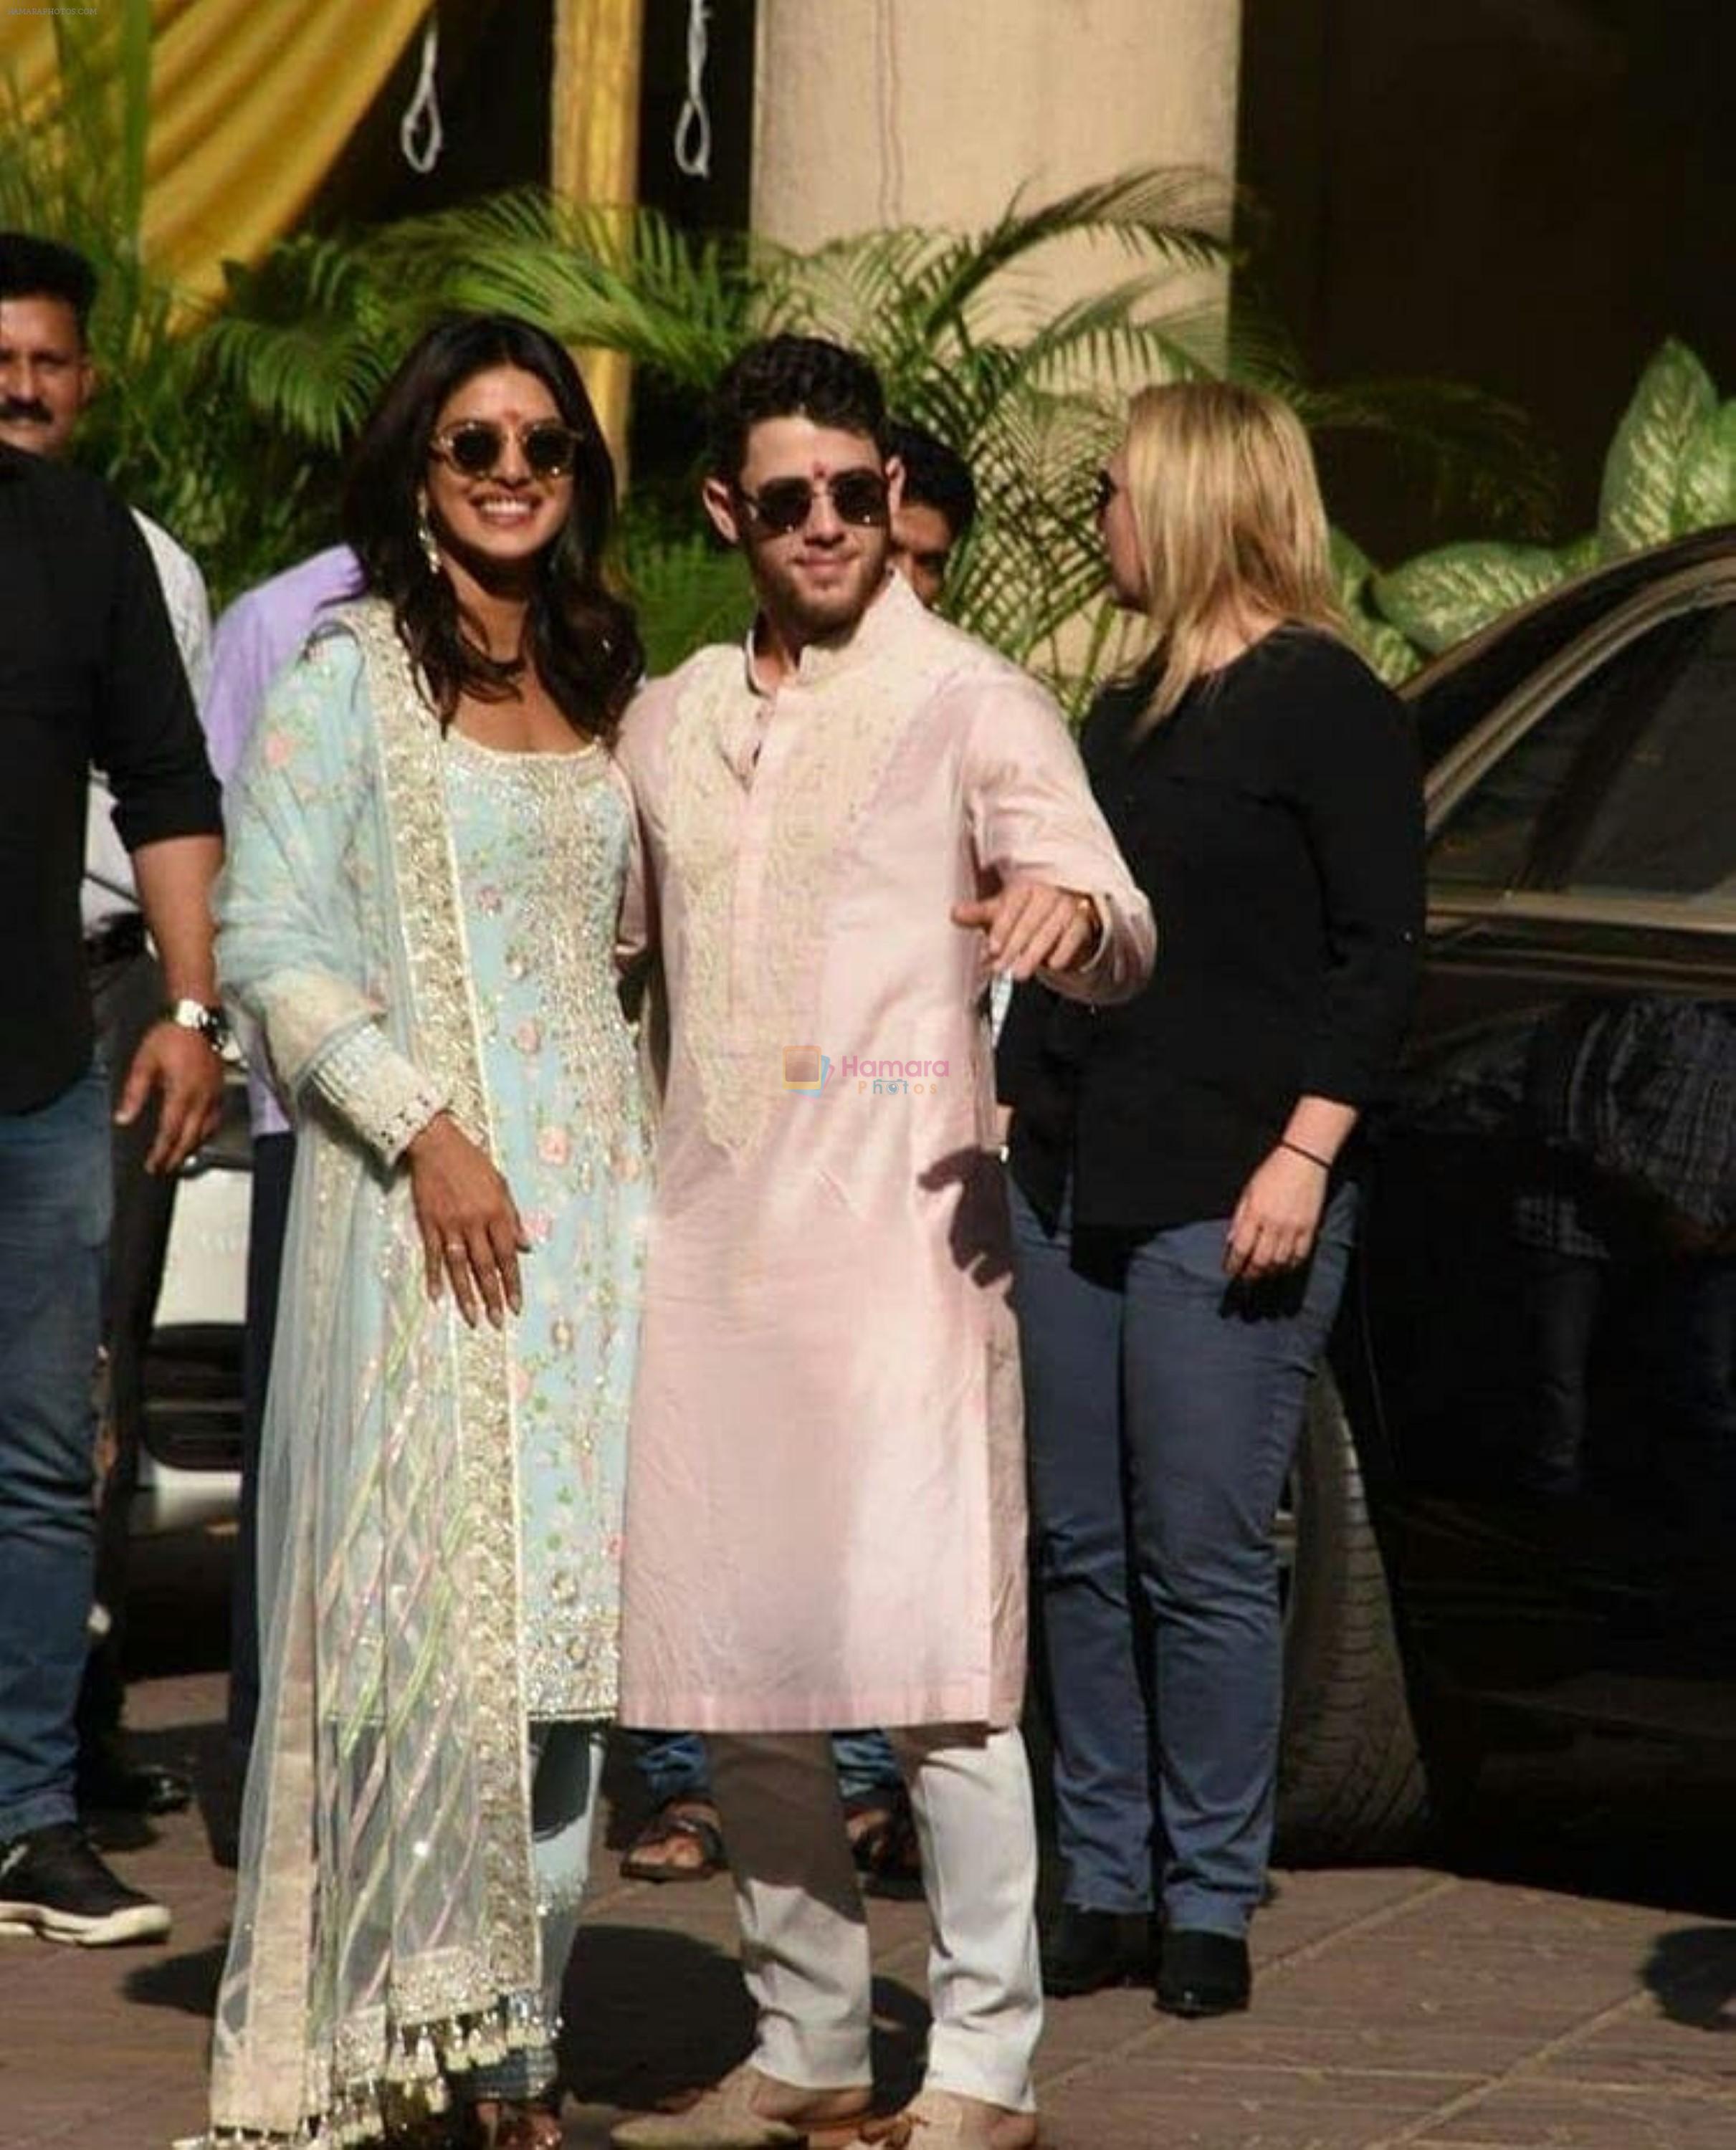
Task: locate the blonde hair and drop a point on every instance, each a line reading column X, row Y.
column 1227, row 510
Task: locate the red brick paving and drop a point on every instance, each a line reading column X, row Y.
column 1396, row 2007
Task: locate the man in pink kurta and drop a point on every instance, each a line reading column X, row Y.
column 843, row 825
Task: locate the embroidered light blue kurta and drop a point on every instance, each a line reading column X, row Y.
column 541, row 841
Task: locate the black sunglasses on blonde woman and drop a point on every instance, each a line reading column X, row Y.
column 476, row 446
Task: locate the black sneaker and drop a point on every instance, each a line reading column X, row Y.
column 53, row 1884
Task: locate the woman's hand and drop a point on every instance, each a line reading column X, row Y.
column 1275, row 1221
column 472, row 1231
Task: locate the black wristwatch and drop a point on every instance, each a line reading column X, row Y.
column 211, row 1023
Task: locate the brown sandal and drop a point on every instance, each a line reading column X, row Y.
column 681, row 1820
column 883, row 1841
column 511, row 2123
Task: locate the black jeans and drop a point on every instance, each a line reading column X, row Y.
column 274, row 1165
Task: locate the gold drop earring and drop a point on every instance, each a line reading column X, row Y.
column 424, row 535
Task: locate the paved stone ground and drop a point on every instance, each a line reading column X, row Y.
column 1578, row 1994
column 1394, row 2007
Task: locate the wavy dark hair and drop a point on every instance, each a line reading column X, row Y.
column 791, row 376
column 581, row 637
column 935, row 475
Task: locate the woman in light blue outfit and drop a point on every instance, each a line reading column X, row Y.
column 428, row 853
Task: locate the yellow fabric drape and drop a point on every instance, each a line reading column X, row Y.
column 251, row 103
column 594, row 150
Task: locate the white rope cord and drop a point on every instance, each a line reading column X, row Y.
column 692, row 129
column 421, row 136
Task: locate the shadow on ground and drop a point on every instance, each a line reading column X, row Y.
column 1634, row 1821
column 1692, row 1974
column 650, row 2013
column 185, row 1982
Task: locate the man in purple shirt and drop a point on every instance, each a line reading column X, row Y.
column 259, row 635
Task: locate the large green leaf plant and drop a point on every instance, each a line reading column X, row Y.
column 1671, row 468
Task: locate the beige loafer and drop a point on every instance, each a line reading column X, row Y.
column 748, row 2110
column 946, row 2120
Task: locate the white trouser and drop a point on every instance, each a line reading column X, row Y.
column 805, row 1933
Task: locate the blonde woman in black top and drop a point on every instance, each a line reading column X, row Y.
column 1183, row 1170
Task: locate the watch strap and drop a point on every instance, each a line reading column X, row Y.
column 210, row 1023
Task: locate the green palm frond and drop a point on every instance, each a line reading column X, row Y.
column 1179, row 216
column 308, row 339
column 1470, row 449
column 624, row 280
column 1102, row 343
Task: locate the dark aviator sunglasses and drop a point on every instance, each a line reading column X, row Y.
column 475, row 447
column 783, row 504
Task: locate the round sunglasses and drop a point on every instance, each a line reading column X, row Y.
column 475, row 447
column 783, row 504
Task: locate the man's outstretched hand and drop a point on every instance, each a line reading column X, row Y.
column 1032, row 926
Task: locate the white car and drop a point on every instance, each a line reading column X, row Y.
column 189, row 1460
column 189, row 1457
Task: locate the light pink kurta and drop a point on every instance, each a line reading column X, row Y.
column 826, row 1512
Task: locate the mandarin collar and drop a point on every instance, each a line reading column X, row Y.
column 891, row 608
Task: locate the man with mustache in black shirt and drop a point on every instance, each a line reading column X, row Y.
column 89, row 673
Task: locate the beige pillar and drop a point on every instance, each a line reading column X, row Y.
column 935, row 112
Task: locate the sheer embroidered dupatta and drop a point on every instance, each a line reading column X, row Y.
column 386, row 1932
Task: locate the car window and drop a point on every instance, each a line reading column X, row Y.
column 1665, row 824
column 1510, row 827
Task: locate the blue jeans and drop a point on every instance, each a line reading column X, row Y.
column 1162, row 1407
column 54, row 1205
column 674, row 1764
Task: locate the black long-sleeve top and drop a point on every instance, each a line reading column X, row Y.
column 89, row 673
column 1275, row 818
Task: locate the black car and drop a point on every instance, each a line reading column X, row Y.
column 1514, row 1513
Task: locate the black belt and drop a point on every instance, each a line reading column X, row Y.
column 116, row 940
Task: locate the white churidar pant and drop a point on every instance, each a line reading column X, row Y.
column 804, row 1932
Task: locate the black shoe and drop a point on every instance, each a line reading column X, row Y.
column 1083, row 1951
column 113, row 1786
column 1203, row 1974
column 53, row 1884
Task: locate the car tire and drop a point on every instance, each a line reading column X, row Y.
column 1351, row 1785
